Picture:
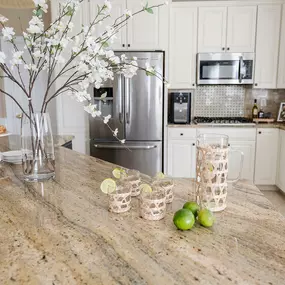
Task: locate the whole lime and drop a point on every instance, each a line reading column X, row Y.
column 192, row 206
column 184, row 219
column 206, row 218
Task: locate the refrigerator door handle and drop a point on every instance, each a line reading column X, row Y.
column 120, row 98
column 127, row 82
column 112, row 146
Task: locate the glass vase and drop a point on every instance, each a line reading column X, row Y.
column 38, row 160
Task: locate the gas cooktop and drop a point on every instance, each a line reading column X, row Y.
column 222, row 121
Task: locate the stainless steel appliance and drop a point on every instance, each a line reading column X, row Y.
column 136, row 106
column 180, row 107
column 222, row 121
column 225, row 68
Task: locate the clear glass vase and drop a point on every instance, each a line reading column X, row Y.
column 37, row 147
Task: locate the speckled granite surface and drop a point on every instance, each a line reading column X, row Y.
column 13, row 142
column 60, row 232
column 280, row 126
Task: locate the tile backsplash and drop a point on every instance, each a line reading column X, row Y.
column 219, row 101
column 235, row 100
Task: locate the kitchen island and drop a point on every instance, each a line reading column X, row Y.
column 60, row 232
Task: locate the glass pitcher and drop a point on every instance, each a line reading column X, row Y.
column 212, row 171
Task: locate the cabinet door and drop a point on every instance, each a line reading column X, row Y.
column 182, row 158
column 143, row 28
column 183, row 46
column 241, row 29
column 281, row 165
column 281, row 67
column 267, row 45
column 118, row 9
column 248, row 149
column 212, row 29
column 266, row 156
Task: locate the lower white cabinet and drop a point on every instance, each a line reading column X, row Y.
column 266, row 156
column 281, row 165
column 182, row 158
column 248, row 150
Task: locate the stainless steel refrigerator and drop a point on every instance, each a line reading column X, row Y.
column 136, row 106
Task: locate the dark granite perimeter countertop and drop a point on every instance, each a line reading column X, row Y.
column 60, row 232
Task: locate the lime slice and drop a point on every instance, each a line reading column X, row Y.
column 145, row 188
column 108, row 186
column 117, row 173
column 160, row 175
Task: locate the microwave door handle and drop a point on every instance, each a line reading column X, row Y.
column 240, row 76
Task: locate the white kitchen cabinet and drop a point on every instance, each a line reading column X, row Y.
column 212, row 24
column 248, row 149
column 229, row 29
column 281, row 66
column 267, row 45
column 241, row 28
column 281, row 163
column 267, row 142
column 183, row 45
column 182, row 158
column 118, row 9
column 143, row 31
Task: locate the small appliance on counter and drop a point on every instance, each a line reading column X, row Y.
column 180, row 108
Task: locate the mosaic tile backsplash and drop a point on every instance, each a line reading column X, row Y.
column 219, row 101
column 235, row 100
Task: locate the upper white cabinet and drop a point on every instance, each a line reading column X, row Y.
column 229, row 29
column 118, row 9
column 281, row 69
column 241, row 28
column 281, row 165
column 212, row 29
column 183, row 45
column 266, row 156
column 267, row 45
column 143, row 31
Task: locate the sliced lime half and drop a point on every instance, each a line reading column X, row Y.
column 108, row 186
column 145, row 188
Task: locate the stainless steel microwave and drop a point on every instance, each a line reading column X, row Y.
column 225, row 68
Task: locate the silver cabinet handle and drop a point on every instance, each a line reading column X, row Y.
column 120, row 98
column 111, row 146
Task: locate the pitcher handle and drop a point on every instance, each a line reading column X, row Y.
column 241, row 166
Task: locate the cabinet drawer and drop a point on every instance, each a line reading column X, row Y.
column 182, row 133
column 235, row 134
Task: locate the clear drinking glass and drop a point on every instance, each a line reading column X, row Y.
column 153, row 204
column 212, row 171
column 167, row 184
column 120, row 199
column 38, row 158
column 133, row 177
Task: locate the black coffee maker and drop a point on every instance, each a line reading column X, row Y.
column 180, row 108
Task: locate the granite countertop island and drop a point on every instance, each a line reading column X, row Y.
column 60, row 232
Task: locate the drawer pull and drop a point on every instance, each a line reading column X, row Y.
column 259, row 133
column 181, row 134
column 193, row 144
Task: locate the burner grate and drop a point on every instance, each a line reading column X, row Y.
column 222, row 120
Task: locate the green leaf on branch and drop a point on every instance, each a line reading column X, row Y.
column 38, row 12
column 148, row 73
column 105, row 44
column 149, row 10
column 70, row 11
column 103, row 96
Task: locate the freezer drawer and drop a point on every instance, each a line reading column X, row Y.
column 143, row 156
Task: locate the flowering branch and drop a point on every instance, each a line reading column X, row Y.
column 89, row 60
